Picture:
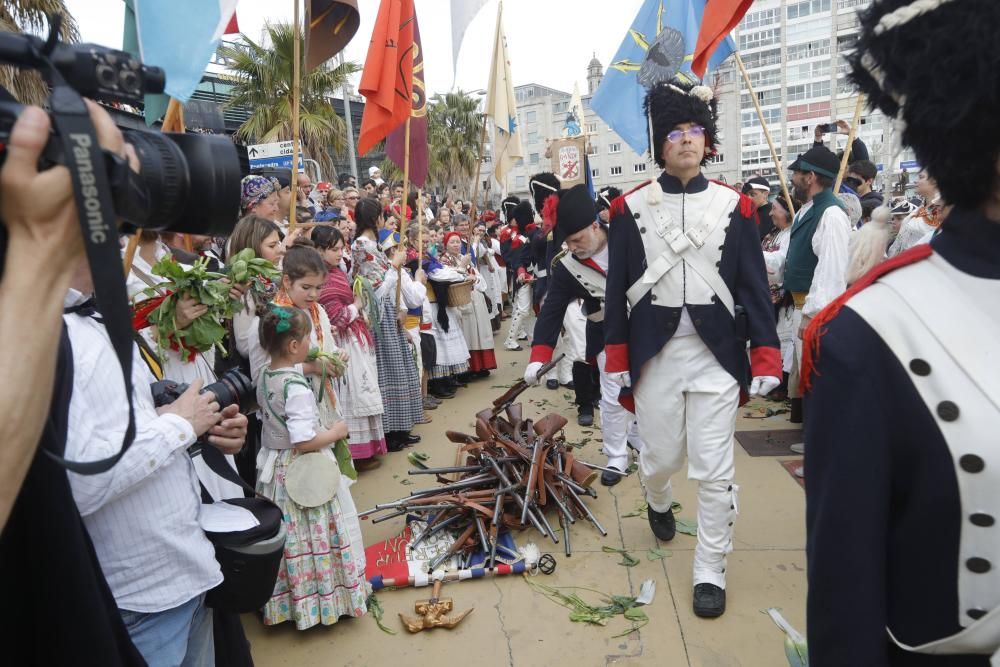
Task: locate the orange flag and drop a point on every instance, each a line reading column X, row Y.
column 387, row 80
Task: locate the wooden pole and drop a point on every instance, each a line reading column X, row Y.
column 402, row 204
column 420, row 226
column 475, row 185
column 767, row 135
column 850, row 142
column 296, row 75
column 173, row 121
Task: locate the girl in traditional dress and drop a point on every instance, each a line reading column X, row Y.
column 322, row 571
column 452, row 351
column 474, row 317
column 360, row 400
column 397, row 370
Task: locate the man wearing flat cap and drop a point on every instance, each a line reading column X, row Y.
column 686, row 293
column 581, row 273
column 816, row 264
column 758, row 189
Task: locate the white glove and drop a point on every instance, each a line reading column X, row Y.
column 531, row 373
column 623, row 379
column 763, row 384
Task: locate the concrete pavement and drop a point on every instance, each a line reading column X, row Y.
column 514, row 626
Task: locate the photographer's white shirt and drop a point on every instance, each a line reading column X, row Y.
column 142, row 515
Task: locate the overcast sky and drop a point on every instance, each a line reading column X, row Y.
column 550, row 42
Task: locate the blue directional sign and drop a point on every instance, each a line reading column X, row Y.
column 277, row 155
column 909, row 164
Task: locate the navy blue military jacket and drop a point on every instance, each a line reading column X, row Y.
column 562, row 290
column 633, row 338
column 883, row 511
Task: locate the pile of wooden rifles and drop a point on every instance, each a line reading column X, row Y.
column 513, row 473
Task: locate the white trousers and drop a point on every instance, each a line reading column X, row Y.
column 618, row 425
column 794, row 374
column 787, row 330
column 572, row 342
column 522, row 318
column 686, row 405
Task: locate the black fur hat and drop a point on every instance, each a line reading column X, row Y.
column 523, row 215
column 606, row 196
column 675, row 102
column 934, row 69
column 507, row 206
column 541, row 186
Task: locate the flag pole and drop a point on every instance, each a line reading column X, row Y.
column 850, row 142
column 173, row 121
column 767, row 135
column 475, row 184
column 402, row 204
column 296, row 74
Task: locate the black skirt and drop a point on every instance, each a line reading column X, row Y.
column 428, row 350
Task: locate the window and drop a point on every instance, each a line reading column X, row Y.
column 851, row 4
column 717, row 159
column 530, row 116
column 591, row 149
column 639, row 168
column 760, row 38
column 616, row 147
column 800, row 9
column 771, row 117
column 807, row 90
column 760, row 19
column 533, row 137
column 616, row 171
column 519, row 181
column 533, row 158
column 768, row 77
column 765, row 97
column 595, row 173
column 762, row 58
column 847, row 42
column 813, row 70
column 753, row 139
column 560, row 107
column 592, row 128
column 819, row 47
column 519, row 163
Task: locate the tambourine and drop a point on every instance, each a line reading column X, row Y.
column 312, row 479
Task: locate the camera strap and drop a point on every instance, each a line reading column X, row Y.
column 92, row 192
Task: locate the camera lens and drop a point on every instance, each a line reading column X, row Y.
column 232, row 388
column 192, row 180
column 129, row 82
column 106, row 76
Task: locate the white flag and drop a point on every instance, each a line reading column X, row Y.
column 573, row 125
column 501, row 108
column 462, row 13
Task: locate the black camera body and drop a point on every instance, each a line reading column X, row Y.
column 187, row 183
column 232, row 388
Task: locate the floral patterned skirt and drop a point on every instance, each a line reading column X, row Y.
column 322, row 572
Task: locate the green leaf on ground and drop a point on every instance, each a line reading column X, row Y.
column 584, row 612
column 632, row 467
column 640, row 510
column 658, row 554
column 628, row 560
column 687, row 526
column 377, row 612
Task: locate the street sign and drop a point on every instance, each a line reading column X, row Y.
column 909, row 164
column 277, row 155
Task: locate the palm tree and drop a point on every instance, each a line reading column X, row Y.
column 453, row 132
column 264, row 86
column 32, row 16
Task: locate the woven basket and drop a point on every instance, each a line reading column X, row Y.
column 460, row 294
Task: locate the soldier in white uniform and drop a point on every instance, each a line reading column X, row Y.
column 901, row 374
column 686, row 292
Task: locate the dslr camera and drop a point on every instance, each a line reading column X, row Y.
column 232, row 388
column 186, row 183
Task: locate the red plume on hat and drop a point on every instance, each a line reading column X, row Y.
column 549, row 213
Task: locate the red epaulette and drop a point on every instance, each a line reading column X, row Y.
column 815, row 330
column 618, row 203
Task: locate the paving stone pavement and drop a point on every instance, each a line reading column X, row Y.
column 514, row 626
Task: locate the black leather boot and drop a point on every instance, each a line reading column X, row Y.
column 709, row 600
column 796, row 412
column 662, row 523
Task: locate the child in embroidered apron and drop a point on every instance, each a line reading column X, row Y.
column 322, row 574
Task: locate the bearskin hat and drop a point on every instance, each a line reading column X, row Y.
column 671, row 103
column 542, row 185
column 933, row 67
column 606, row 196
column 523, row 214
